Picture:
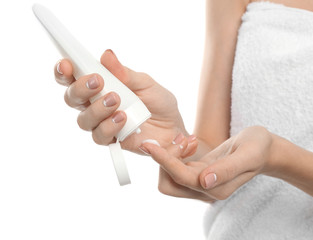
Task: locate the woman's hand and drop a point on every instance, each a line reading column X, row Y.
column 101, row 117
column 177, row 149
column 222, row 171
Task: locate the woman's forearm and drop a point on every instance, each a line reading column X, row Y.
column 292, row 164
column 223, row 19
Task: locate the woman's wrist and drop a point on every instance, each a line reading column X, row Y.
column 280, row 153
column 290, row 163
column 273, row 159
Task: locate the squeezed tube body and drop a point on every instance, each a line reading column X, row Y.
column 84, row 63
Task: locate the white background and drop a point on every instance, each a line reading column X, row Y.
column 55, row 182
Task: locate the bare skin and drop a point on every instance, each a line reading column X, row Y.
column 98, row 118
column 192, row 168
column 303, row 4
column 236, row 161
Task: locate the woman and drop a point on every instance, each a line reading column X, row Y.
column 254, row 107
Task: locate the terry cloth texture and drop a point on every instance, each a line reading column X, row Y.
column 272, row 87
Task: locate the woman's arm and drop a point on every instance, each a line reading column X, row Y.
column 251, row 152
column 292, row 163
column 223, row 18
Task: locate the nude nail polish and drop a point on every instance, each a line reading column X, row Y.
column 191, row 138
column 180, row 137
column 210, row 180
column 93, row 82
column 58, row 68
column 117, row 117
column 110, row 50
column 109, row 100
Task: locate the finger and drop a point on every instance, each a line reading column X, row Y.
column 79, row 92
column 169, row 187
column 175, row 149
column 105, row 132
column 97, row 112
column 191, row 147
column 63, row 72
column 173, row 166
column 178, row 146
column 223, row 191
column 133, row 80
column 225, row 170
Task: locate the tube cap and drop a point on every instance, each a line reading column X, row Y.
column 119, row 163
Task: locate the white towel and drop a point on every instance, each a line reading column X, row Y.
column 272, row 87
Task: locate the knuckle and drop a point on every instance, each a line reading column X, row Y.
column 75, row 94
column 105, row 131
column 66, row 98
column 70, row 96
column 95, row 138
column 145, row 75
column 81, row 123
column 71, row 92
column 103, row 135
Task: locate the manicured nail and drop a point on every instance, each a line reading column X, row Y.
column 118, row 117
column 210, row 180
column 58, row 68
column 109, row 100
column 191, row 138
column 93, row 82
column 180, row 137
column 110, row 50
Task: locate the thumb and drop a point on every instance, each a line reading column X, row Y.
column 224, row 170
column 133, row 80
column 172, row 165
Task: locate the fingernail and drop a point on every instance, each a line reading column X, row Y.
column 210, row 180
column 110, row 50
column 118, row 117
column 93, row 82
column 109, row 100
column 180, row 137
column 191, row 138
column 144, row 150
column 58, row 68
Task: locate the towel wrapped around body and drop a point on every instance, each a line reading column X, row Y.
column 273, row 87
